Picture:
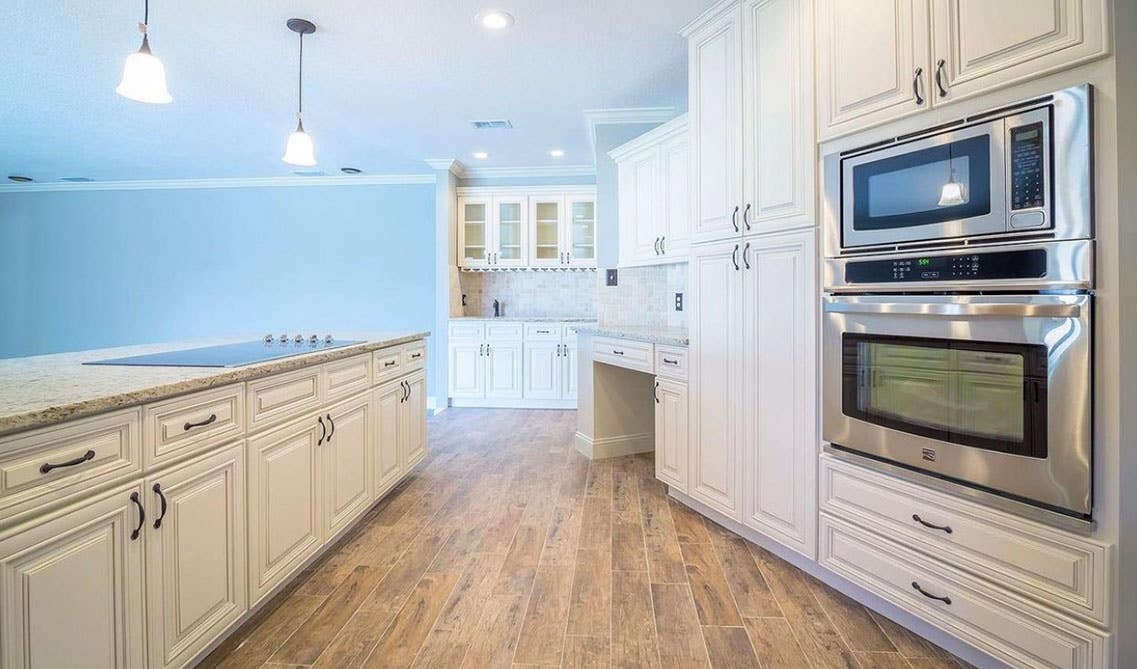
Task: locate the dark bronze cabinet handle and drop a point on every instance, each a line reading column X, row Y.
column 945, row 599
column 332, row 423
column 46, row 467
column 657, row 392
column 615, row 352
column 141, row 515
column 669, row 361
column 944, row 528
column 323, row 430
column 391, row 363
column 189, row 426
column 663, row 245
column 746, row 255
column 916, row 78
column 656, row 245
column 734, row 258
column 734, row 219
column 408, row 390
column 162, row 511
column 939, row 78
column 746, row 216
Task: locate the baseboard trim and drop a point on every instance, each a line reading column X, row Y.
column 514, row 404
column 614, row 447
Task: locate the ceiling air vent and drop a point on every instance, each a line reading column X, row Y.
column 492, row 124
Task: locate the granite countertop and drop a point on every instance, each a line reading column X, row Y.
column 47, row 389
column 525, row 319
column 655, row 335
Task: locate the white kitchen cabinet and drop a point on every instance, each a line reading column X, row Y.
column 475, row 231
column 347, row 452
column 578, row 238
column 195, row 555
column 570, row 374
column 71, row 587
column 547, row 213
column 388, row 401
column 413, row 423
column 671, row 453
column 467, row 369
column 527, row 227
column 509, row 242
column 779, row 459
column 543, row 369
column 653, row 194
column 504, row 370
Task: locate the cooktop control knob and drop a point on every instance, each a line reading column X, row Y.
column 284, row 338
column 313, row 340
column 328, row 339
column 269, row 339
column 299, row 339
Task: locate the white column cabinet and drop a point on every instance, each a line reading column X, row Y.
column 671, row 439
column 347, row 453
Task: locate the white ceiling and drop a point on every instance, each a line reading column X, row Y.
column 387, row 83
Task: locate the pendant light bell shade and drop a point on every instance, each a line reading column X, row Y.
column 144, row 77
column 300, row 150
column 952, row 194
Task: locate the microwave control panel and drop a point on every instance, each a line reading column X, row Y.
column 1028, row 164
column 1024, row 264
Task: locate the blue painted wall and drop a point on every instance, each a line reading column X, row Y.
column 91, row 269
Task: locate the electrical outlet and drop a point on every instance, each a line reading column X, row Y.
column 611, row 276
column 678, row 301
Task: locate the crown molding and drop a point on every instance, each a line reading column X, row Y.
column 653, row 137
column 712, row 12
column 622, row 116
column 192, row 184
column 450, row 165
column 542, row 171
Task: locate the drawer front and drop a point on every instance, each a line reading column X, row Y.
column 388, row 364
column 414, row 356
column 508, row 331
column 344, row 378
column 1013, row 629
column 281, row 397
column 47, row 465
column 543, row 331
column 177, row 428
column 467, row 330
column 635, row 355
column 1063, row 570
column 671, row 362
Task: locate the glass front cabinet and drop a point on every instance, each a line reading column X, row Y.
column 513, row 228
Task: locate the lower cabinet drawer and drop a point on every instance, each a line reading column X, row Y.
column 671, row 361
column 1013, row 629
column 543, row 331
column 280, row 397
column 1062, row 570
column 344, row 378
column 184, row 426
column 388, row 364
column 50, row 464
column 635, row 355
column 414, row 356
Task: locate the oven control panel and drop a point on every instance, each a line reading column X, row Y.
column 1024, row 264
column 1028, row 183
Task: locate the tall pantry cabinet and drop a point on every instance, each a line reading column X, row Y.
column 753, row 386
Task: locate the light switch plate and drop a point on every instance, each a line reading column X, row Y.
column 678, row 301
column 611, row 277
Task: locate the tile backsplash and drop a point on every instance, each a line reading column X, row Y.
column 530, row 294
column 644, row 297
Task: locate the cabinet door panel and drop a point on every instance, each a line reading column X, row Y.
column 675, row 164
column 868, row 52
column 414, row 422
column 542, row 370
column 779, row 397
column 347, row 461
column 546, row 236
column 715, row 71
column 71, row 589
column 285, row 504
column 467, row 370
column 716, row 368
column 570, row 373
column 579, row 237
column 779, row 144
column 195, row 559
column 475, row 232
column 671, row 453
column 985, row 45
column 510, row 232
column 388, row 468
column 503, row 370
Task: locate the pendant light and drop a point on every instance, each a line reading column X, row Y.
column 300, row 150
column 144, row 76
column 954, row 192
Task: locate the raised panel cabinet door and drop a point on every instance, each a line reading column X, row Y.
column 671, row 453
column 546, row 234
column 347, row 460
column 510, row 232
column 715, row 93
column 467, row 369
column 413, row 442
column 779, row 389
column 71, row 588
column 542, row 370
column 978, row 46
column 475, row 233
column 285, row 503
column 873, row 63
column 579, row 237
column 715, row 417
column 675, row 219
column 778, row 111
column 638, row 203
column 571, row 374
column 195, row 555
column 388, row 467
column 504, row 370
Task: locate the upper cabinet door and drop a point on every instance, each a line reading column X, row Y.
column 510, row 232
column 873, row 62
column 546, row 215
column 980, row 45
column 475, row 233
column 778, row 111
column 639, row 229
column 579, row 237
column 675, row 219
column 715, row 98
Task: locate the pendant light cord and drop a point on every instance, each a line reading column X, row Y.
column 300, row 82
column 146, row 13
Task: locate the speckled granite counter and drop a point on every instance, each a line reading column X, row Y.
column 47, row 389
column 667, row 336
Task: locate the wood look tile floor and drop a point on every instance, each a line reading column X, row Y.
column 508, row 548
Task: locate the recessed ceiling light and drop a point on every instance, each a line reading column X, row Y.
column 557, row 153
column 351, row 170
column 20, row 179
column 481, row 155
column 495, row 19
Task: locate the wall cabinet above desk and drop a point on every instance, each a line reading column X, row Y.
column 522, row 228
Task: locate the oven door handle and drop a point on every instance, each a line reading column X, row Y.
column 957, row 309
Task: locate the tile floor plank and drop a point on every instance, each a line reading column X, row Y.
column 315, row 634
column 633, row 621
column 774, row 644
column 495, row 638
column 743, row 576
column 542, row 633
column 399, row 646
column 586, row 652
column 680, row 638
column 591, row 600
column 729, row 648
column 713, row 598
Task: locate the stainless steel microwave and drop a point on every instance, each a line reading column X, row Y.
column 1022, row 170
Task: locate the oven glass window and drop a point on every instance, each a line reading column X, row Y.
column 985, row 395
column 927, row 186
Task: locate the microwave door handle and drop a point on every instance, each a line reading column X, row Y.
column 955, row 309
